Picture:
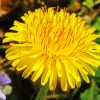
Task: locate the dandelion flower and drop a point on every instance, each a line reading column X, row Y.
column 53, row 46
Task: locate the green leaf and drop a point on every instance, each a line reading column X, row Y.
column 97, row 24
column 88, row 3
column 91, row 93
column 98, row 97
column 43, row 92
column 72, row 3
column 97, row 76
column 97, row 72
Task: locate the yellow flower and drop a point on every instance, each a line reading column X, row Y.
column 53, row 45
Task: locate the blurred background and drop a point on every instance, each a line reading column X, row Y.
column 12, row 85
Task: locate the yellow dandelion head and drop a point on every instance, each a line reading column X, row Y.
column 53, row 45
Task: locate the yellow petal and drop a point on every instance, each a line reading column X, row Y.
column 65, row 64
column 25, row 62
column 36, row 54
column 87, row 68
column 10, row 34
column 92, row 37
column 6, row 40
column 45, row 75
column 64, row 83
column 33, row 66
column 85, row 76
column 78, row 84
column 53, row 77
column 37, row 73
column 63, row 80
column 13, row 55
column 76, row 64
column 71, row 80
column 72, row 69
column 90, row 60
column 95, row 55
column 15, row 62
column 59, row 67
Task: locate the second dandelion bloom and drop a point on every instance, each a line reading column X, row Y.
column 53, row 46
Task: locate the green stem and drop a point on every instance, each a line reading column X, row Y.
column 43, row 92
